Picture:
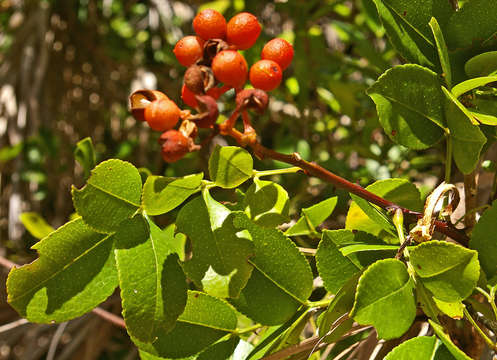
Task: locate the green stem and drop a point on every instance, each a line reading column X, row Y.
column 448, row 158
column 248, row 329
column 480, row 331
column 289, row 170
column 319, row 304
column 490, row 298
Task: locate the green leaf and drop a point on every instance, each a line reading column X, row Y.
column 206, row 319
column 443, row 53
column 445, row 338
column 329, row 322
column 85, row 155
column 410, row 105
column 215, row 243
column 419, row 348
column 312, row 217
column 482, row 64
column 467, row 139
column 162, row 194
column 483, row 240
column 282, row 278
column 471, row 84
column 230, row 166
column 369, row 218
column 406, row 24
column 453, row 309
column 111, row 195
column 153, row 285
column 472, row 25
column 266, row 203
column 74, row 273
column 384, row 299
column 35, row 224
column 216, row 284
column 448, row 270
column 485, row 119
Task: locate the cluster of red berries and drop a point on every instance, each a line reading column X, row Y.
column 214, row 67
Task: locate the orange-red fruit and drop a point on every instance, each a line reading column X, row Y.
column 243, row 30
column 188, row 97
column 278, row 50
column 174, row 145
column 162, row 115
column 265, row 75
column 188, row 50
column 230, row 67
column 210, row 24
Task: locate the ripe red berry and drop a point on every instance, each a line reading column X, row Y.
column 243, row 30
column 188, row 50
column 188, row 97
column 162, row 115
column 174, row 145
column 278, row 50
column 265, row 75
column 230, row 67
column 210, row 24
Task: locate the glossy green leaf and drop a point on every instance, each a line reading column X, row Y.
column 454, row 309
column 230, row 166
column 215, row 243
column 410, row 105
column 448, row 270
column 35, row 224
column 281, row 280
column 464, row 31
column 312, row 217
column 74, row 273
column 419, row 348
column 384, row 299
column 467, row 139
column 483, row 240
column 445, row 338
column 406, row 24
column 161, row 194
column 206, row 319
column 153, row 285
column 369, row 218
column 266, row 203
column 443, row 54
column 85, row 155
column 471, row 84
column 481, row 65
column 111, row 195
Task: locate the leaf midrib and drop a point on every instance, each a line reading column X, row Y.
column 112, row 195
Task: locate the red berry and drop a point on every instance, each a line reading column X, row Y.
column 188, row 97
column 210, row 24
column 230, row 67
column 188, row 50
column 243, row 30
column 265, row 75
column 162, row 115
column 278, row 50
column 174, row 145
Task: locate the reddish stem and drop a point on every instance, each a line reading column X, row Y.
column 313, row 169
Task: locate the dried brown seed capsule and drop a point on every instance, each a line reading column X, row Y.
column 211, row 48
column 199, row 79
column 208, row 114
column 174, row 145
column 140, row 99
column 255, row 99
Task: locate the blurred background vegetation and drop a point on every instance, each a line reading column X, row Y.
column 67, row 68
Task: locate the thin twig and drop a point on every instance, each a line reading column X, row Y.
column 313, row 169
column 12, row 325
column 108, row 316
column 55, row 340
